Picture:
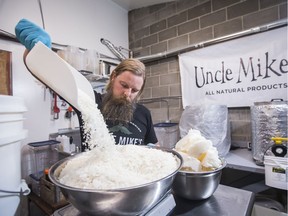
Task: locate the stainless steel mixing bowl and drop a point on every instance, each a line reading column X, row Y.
column 197, row 185
column 125, row 201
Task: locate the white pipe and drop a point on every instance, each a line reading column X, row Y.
column 158, row 56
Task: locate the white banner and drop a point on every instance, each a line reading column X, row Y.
column 237, row 73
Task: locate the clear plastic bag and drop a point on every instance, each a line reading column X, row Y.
column 212, row 121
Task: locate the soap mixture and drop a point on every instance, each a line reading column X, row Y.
column 198, row 153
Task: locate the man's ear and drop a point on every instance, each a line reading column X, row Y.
column 112, row 75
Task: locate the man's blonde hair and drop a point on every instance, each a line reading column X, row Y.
column 134, row 66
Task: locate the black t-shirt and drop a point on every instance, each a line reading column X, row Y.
column 139, row 131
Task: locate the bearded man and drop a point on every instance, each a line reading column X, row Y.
column 129, row 121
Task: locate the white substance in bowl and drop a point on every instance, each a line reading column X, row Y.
column 110, row 166
column 198, row 153
column 119, row 167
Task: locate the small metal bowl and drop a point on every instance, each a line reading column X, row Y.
column 197, row 185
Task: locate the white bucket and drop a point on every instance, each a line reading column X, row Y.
column 11, row 115
column 276, row 172
column 11, row 134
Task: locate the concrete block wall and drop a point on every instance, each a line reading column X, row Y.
column 177, row 24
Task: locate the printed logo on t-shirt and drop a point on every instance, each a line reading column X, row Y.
column 124, row 136
column 129, row 140
column 120, row 128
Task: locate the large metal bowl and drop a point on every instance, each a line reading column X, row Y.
column 125, row 201
column 197, row 185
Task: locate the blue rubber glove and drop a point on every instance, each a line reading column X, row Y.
column 29, row 34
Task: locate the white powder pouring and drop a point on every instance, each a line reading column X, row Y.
column 110, row 166
column 94, row 126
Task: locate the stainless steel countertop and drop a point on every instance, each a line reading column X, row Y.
column 225, row 201
column 242, row 159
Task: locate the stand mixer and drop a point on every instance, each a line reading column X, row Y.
column 50, row 69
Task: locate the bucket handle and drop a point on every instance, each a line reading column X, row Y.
column 276, row 99
column 278, row 164
column 24, row 190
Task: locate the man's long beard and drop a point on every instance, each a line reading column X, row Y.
column 117, row 110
